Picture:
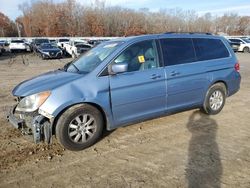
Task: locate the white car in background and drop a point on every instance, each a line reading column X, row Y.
column 244, row 44
column 18, row 45
column 62, row 42
column 77, row 47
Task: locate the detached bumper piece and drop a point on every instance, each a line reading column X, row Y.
column 41, row 130
column 40, row 126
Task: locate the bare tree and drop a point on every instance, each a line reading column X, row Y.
column 70, row 18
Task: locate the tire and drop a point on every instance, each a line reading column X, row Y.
column 246, row 50
column 74, row 55
column 215, row 99
column 72, row 130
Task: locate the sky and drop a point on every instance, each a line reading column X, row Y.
column 216, row 7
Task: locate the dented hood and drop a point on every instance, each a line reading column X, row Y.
column 44, row 82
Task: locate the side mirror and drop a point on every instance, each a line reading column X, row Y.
column 118, row 68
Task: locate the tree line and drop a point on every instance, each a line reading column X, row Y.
column 69, row 18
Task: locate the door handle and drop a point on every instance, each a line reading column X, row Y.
column 174, row 73
column 155, row 76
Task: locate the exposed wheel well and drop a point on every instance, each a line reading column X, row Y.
column 92, row 104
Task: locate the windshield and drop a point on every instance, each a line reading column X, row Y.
column 46, row 45
column 90, row 60
column 40, row 41
column 246, row 40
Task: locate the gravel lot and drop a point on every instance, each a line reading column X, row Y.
column 187, row 149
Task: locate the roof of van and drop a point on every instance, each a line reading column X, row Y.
column 169, row 35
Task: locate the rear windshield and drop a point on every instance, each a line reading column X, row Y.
column 186, row 50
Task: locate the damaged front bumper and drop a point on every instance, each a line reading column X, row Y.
column 32, row 123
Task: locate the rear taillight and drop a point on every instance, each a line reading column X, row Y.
column 237, row 67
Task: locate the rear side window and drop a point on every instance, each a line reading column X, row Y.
column 177, row 51
column 207, row 49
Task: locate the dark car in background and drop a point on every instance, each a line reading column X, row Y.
column 49, row 51
column 37, row 42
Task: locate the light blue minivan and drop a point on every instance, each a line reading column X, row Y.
column 124, row 81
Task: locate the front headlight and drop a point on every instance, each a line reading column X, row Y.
column 32, row 102
column 46, row 53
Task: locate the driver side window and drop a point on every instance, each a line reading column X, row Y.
column 140, row 56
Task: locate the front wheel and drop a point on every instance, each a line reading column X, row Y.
column 79, row 127
column 215, row 99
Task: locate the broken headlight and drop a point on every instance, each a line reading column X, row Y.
column 32, row 102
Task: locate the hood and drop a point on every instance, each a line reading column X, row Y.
column 44, row 82
column 51, row 50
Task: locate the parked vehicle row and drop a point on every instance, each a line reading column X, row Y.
column 243, row 42
column 49, row 48
column 75, row 47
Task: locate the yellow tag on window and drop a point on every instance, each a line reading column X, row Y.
column 141, row 59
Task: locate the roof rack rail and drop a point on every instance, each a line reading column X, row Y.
column 189, row 33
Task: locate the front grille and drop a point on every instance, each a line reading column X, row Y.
column 53, row 54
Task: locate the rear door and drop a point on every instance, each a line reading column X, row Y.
column 187, row 79
column 141, row 91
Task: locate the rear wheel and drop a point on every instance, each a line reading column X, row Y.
column 215, row 99
column 246, row 50
column 79, row 127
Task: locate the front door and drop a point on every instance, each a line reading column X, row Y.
column 141, row 91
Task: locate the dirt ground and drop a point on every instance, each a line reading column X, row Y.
column 187, row 149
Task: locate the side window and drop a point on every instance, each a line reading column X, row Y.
column 140, row 56
column 207, row 49
column 177, row 51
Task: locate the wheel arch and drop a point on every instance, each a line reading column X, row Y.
column 104, row 115
column 215, row 82
column 220, row 81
